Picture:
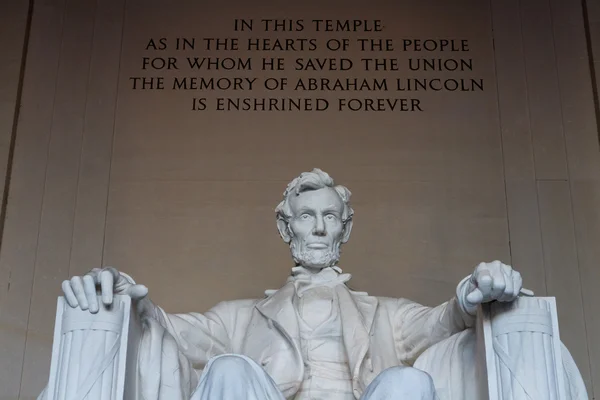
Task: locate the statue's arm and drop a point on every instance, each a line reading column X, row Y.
column 418, row 327
column 198, row 336
column 172, row 349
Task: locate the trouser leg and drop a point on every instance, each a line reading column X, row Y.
column 235, row 377
column 401, row 383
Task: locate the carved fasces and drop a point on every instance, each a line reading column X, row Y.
column 90, row 351
column 523, row 354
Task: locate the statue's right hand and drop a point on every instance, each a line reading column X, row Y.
column 82, row 291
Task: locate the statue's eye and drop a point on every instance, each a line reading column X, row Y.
column 330, row 217
column 305, row 216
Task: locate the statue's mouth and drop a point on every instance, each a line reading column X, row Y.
column 317, row 246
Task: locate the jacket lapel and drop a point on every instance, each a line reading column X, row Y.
column 358, row 313
column 281, row 317
column 367, row 306
column 279, row 308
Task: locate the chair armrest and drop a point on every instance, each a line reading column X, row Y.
column 519, row 350
column 94, row 354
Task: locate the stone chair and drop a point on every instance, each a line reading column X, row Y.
column 514, row 353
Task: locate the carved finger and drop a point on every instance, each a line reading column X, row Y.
column 95, row 273
column 77, row 286
column 508, row 294
column 507, row 270
column 475, row 297
column 69, row 295
column 484, row 282
column 498, row 286
column 113, row 271
column 137, row 292
column 119, row 284
column 517, row 283
column 107, row 282
column 89, row 286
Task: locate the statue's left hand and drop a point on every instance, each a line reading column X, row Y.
column 82, row 291
column 493, row 281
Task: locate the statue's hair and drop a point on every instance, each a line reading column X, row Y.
column 314, row 180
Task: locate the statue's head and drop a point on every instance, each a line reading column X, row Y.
column 315, row 219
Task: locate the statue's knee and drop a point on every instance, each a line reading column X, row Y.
column 401, row 376
column 230, row 365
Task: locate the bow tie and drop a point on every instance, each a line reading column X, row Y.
column 304, row 280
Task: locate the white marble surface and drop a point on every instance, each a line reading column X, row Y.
column 314, row 337
column 89, row 352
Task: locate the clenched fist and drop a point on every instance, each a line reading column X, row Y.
column 492, row 281
column 82, row 291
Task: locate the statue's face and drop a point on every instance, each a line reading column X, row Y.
column 317, row 228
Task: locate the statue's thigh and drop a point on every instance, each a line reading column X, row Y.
column 401, row 382
column 235, row 377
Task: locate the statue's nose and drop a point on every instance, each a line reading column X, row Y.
column 319, row 229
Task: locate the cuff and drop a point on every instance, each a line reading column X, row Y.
column 461, row 295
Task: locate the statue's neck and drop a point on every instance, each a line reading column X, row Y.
column 310, row 270
column 314, row 271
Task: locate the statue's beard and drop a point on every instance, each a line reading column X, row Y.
column 316, row 259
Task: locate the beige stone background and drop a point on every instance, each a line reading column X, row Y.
column 95, row 173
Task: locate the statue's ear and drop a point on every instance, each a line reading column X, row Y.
column 284, row 231
column 347, row 231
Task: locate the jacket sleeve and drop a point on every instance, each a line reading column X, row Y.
column 199, row 337
column 417, row 327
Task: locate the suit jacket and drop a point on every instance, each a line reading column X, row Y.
column 378, row 333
